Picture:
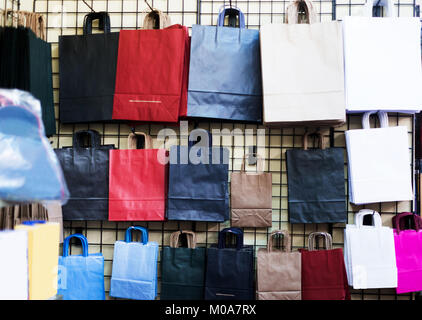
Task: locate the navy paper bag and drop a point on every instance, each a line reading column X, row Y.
column 198, row 191
column 316, row 184
column 225, row 72
column 198, row 183
column 81, row 277
column 230, row 269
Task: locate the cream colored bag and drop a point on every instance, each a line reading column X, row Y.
column 279, row 272
column 302, row 71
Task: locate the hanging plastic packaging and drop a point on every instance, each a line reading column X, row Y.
column 29, row 169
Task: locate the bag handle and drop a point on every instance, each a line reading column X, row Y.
column 259, row 162
column 144, row 233
column 222, row 237
column 403, row 215
column 286, row 240
column 417, row 219
column 292, row 12
column 327, row 237
column 382, row 116
column 79, row 236
column 156, row 19
column 232, row 12
column 92, row 135
column 387, row 4
column 190, row 236
column 104, row 22
column 133, row 140
column 376, row 218
column 321, row 140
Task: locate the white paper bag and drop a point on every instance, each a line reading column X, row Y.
column 379, row 163
column 13, row 265
column 302, row 71
column 382, row 60
column 369, row 253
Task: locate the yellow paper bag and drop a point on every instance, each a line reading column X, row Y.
column 43, row 257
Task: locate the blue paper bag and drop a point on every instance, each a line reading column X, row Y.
column 198, row 191
column 134, row 274
column 225, row 72
column 81, row 277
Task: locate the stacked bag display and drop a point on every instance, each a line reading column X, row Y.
column 300, row 73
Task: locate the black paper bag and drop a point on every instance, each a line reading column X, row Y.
column 25, row 63
column 316, row 181
column 86, row 172
column 230, row 270
column 88, row 72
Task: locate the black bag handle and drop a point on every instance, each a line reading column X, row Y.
column 92, row 136
column 104, row 21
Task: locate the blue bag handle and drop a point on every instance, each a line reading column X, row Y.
column 144, row 231
column 32, row 222
column 230, row 10
column 222, row 237
column 84, row 242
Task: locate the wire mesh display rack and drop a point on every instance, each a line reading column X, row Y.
column 66, row 17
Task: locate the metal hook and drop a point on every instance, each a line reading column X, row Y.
column 92, row 10
column 152, row 9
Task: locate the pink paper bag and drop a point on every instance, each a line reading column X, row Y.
column 408, row 245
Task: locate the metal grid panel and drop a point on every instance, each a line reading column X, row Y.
column 66, row 17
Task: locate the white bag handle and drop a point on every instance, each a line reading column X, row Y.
column 382, row 116
column 376, row 218
column 387, row 4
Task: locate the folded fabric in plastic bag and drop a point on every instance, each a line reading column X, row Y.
column 29, row 169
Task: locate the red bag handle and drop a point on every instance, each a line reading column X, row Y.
column 403, row 215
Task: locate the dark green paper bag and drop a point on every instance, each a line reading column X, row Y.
column 183, row 269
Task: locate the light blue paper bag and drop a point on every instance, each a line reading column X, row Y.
column 134, row 274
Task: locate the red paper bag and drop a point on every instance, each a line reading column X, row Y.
column 138, row 182
column 152, row 75
column 323, row 271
